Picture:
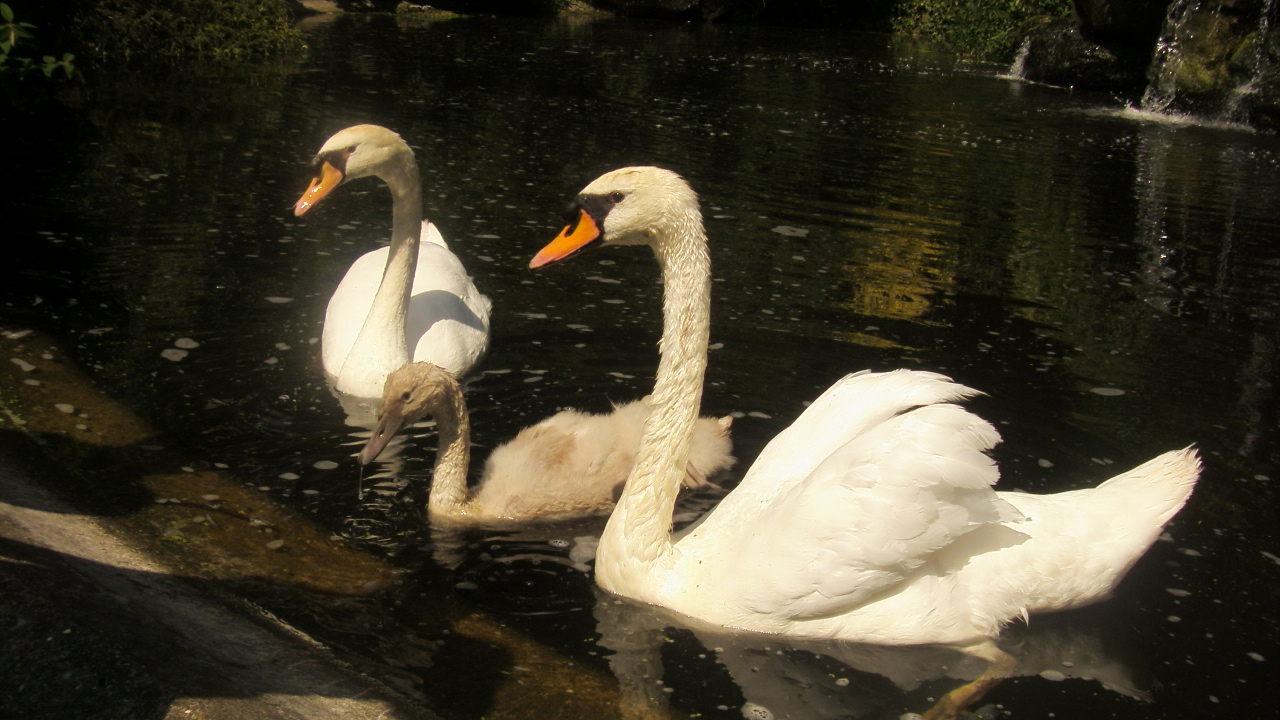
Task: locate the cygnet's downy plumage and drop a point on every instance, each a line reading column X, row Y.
column 572, row 464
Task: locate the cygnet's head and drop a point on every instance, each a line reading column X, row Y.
column 355, row 152
column 629, row 206
column 411, row 392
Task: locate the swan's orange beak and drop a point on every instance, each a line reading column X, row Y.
column 570, row 240
column 324, row 183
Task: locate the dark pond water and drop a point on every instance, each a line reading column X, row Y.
column 1111, row 281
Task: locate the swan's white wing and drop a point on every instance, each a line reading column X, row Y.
column 431, row 234
column 448, row 320
column 872, row 478
column 849, row 408
column 871, row 513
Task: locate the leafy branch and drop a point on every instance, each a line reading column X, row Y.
column 12, row 32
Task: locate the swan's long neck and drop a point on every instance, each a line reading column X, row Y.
column 638, row 534
column 381, row 346
column 449, row 496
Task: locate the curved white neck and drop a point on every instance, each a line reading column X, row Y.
column 645, row 508
column 381, row 346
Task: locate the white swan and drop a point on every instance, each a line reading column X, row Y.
column 570, row 465
column 410, row 301
column 872, row 517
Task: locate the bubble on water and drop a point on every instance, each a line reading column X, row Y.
column 1272, row 557
column 324, row 465
column 1177, row 593
column 186, row 343
column 1256, row 656
column 842, row 682
column 65, row 407
column 23, row 365
column 1107, row 391
column 1053, row 675
column 761, row 415
column 173, row 354
column 753, row 711
column 1174, row 619
column 310, row 492
column 283, row 347
column 288, row 476
column 559, row 543
column 789, row 231
column 276, row 299
column 275, row 544
column 31, row 381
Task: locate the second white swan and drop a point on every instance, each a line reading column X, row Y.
column 410, row 301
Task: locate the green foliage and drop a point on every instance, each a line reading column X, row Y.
column 131, row 30
column 12, row 32
column 982, row 29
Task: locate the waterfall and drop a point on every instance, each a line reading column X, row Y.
column 1208, row 62
column 1018, row 69
column 1165, row 60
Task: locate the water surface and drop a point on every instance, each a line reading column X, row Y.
column 1110, row 282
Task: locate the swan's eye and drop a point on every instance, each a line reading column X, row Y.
column 351, row 150
column 616, row 197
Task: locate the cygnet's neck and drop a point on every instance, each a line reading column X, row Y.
column 449, row 498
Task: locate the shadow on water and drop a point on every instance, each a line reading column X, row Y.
column 1111, row 285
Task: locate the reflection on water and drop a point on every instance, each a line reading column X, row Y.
column 813, row 680
column 1110, row 284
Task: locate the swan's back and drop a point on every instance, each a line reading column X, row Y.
column 889, row 530
column 575, row 463
column 1081, row 543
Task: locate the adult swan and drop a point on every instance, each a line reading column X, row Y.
column 408, row 302
column 872, row 517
